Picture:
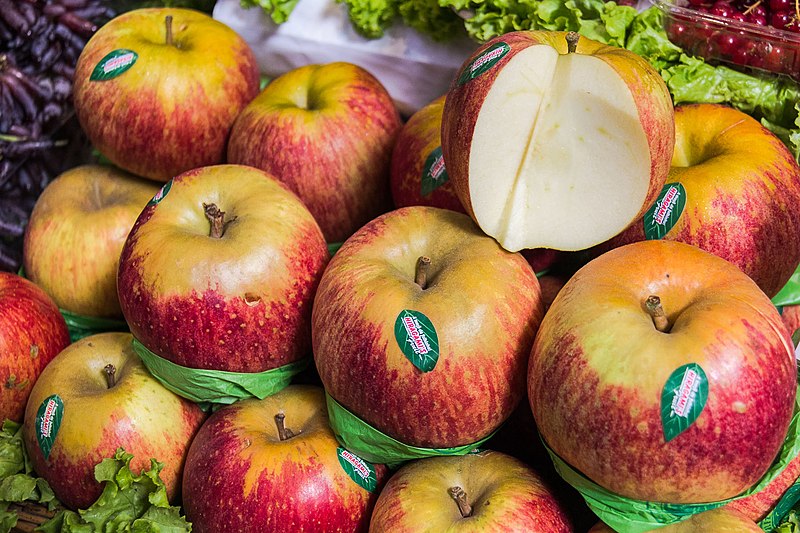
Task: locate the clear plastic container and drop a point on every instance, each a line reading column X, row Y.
column 742, row 44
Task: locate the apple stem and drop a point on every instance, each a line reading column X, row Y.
column 572, row 41
column 216, row 218
column 656, row 310
column 460, row 497
column 168, row 24
column 421, row 271
column 111, row 375
column 284, row 433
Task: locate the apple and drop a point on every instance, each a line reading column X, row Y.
column 791, row 317
column 75, row 235
column 94, row 397
column 422, row 327
column 519, row 438
column 275, row 465
column 757, row 506
column 327, row 132
column 32, row 332
column 663, row 373
column 551, row 144
column 157, row 89
column 716, row 520
column 733, row 190
column 486, row 491
column 220, row 269
column 417, row 174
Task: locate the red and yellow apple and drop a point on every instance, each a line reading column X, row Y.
column 32, row 333
column 551, row 144
column 422, row 327
column 94, row 397
column 157, row 90
column 327, row 132
column 220, row 270
column 486, row 491
column 275, row 465
column 716, row 521
column 663, row 373
column 75, row 235
column 733, row 190
column 417, row 174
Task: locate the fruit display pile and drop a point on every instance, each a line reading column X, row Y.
column 555, row 299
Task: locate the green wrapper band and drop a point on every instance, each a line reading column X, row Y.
column 377, row 447
column 80, row 326
column 217, row 386
column 626, row 515
column 790, row 293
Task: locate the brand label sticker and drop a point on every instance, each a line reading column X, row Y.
column 162, row 192
column 664, row 214
column 48, row 420
column 683, row 399
column 483, row 62
column 417, row 338
column 434, row 175
column 114, row 64
column 357, row 469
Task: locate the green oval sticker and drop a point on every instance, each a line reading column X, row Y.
column 357, row 469
column 683, row 399
column 162, row 192
column 417, row 338
column 434, row 175
column 664, row 214
column 484, row 62
column 114, row 64
column 48, row 420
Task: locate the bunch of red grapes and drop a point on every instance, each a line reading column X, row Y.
column 763, row 34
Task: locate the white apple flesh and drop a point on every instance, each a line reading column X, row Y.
column 553, row 149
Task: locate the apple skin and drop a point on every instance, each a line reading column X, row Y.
column 32, row 333
column 418, row 138
column 742, row 194
column 137, row 413
column 717, row 520
column 758, row 505
column 790, row 314
column 463, row 103
column 173, row 109
column 327, row 132
column 599, row 365
column 240, row 476
column 75, row 235
column 485, row 305
column 504, row 493
column 240, row 303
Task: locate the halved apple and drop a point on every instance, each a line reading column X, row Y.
column 555, row 144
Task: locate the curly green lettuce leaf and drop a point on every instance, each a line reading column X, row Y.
column 129, row 502
column 485, row 20
column 606, row 22
column 790, row 524
column 277, row 10
column 17, row 484
column 370, row 18
column 429, row 18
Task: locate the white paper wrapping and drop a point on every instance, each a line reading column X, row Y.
column 414, row 68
